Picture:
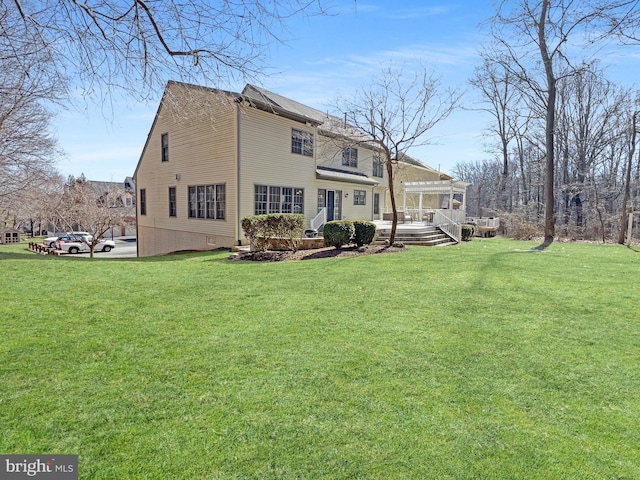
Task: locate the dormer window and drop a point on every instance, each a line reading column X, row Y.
column 350, row 157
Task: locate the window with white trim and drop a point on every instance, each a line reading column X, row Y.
column 359, row 197
column 350, row 157
column 272, row 199
column 301, row 142
column 378, row 167
column 164, row 146
column 261, row 195
column 173, row 210
column 207, row 201
column 143, row 201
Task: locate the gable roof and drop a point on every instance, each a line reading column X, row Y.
column 172, row 84
column 417, row 163
column 271, row 102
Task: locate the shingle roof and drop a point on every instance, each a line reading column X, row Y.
column 327, row 124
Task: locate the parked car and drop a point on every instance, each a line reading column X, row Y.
column 50, row 241
column 80, row 243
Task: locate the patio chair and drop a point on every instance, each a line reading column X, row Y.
column 404, row 217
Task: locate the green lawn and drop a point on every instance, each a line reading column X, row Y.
column 483, row 360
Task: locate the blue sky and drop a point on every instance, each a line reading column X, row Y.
column 323, row 57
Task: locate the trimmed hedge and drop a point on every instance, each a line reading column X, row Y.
column 468, row 231
column 337, row 233
column 365, row 232
column 286, row 227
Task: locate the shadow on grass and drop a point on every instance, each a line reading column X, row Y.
column 219, row 255
column 26, row 254
column 547, row 242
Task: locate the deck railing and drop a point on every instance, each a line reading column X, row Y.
column 447, row 225
column 319, row 220
column 428, row 215
column 485, row 222
column 448, row 220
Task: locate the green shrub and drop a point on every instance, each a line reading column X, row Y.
column 288, row 227
column 254, row 229
column 468, row 231
column 365, row 232
column 338, row 233
column 260, row 229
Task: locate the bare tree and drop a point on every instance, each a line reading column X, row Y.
column 28, row 151
column 633, row 131
column 501, row 97
column 484, row 177
column 80, row 207
column 394, row 113
column 589, row 111
column 534, row 33
column 32, row 207
column 137, row 45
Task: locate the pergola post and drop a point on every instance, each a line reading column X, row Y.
column 451, row 197
column 464, row 202
column 436, row 187
column 404, row 200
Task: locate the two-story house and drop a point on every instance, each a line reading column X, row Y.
column 213, row 157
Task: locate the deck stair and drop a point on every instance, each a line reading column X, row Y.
column 415, row 234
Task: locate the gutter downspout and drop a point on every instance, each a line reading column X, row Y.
column 373, row 206
column 137, row 198
column 238, row 185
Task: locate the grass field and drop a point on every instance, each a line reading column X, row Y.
column 479, row 361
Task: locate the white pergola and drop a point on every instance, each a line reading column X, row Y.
column 435, row 187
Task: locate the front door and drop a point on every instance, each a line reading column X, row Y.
column 331, row 203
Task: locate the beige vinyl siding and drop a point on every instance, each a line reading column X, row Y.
column 330, row 155
column 159, row 241
column 201, row 152
column 266, row 159
column 214, row 140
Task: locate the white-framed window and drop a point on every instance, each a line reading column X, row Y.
column 273, row 199
column 164, row 146
column 173, row 207
column 378, row 167
column 359, row 197
column 143, row 201
column 207, row 201
column 350, row 157
column 261, row 195
column 301, row 142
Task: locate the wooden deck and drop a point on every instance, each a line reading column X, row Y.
column 415, row 233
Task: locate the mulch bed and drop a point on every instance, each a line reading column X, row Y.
column 327, row 252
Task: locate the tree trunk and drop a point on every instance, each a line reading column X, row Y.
column 627, row 183
column 394, row 208
column 549, row 215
